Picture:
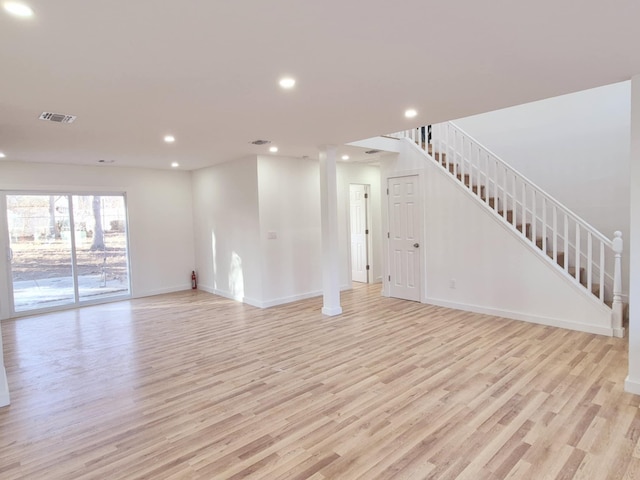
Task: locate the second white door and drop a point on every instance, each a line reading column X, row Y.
column 404, row 237
column 358, row 197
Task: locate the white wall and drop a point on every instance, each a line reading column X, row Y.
column 160, row 222
column 289, row 195
column 494, row 271
column 632, row 383
column 575, row 147
column 159, row 209
column 241, row 203
column 353, row 173
column 226, row 225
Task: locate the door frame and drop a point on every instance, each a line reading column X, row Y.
column 369, row 242
column 419, row 174
column 7, row 307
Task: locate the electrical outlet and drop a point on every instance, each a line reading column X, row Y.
column 452, row 283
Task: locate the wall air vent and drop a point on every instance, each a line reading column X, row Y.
column 57, row 117
column 372, row 152
column 261, row 142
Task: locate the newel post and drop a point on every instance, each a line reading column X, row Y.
column 618, row 331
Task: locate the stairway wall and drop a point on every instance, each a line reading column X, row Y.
column 494, row 271
column 575, row 147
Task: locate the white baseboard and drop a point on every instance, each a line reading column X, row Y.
column 206, row 288
column 4, row 388
column 548, row 321
column 331, row 311
column 632, row 386
column 293, row 298
column 162, row 291
column 271, row 302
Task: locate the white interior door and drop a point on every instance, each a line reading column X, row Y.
column 358, row 196
column 405, row 229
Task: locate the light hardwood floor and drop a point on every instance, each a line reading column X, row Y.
column 190, row 385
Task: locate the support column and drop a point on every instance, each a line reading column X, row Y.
column 632, row 384
column 329, row 214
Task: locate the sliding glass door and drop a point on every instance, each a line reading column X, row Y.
column 41, row 259
column 66, row 249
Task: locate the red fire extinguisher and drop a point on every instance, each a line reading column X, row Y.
column 194, row 282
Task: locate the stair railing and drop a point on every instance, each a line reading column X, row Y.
column 592, row 260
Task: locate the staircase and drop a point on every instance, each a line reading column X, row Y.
column 584, row 255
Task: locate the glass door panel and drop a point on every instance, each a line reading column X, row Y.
column 101, row 246
column 40, row 251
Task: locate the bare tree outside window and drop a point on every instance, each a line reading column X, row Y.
column 98, row 234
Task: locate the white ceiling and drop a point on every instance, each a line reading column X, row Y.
column 207, row 72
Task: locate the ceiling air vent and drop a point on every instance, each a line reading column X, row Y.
column 261, row 142
column 57, row 117
column 372, row 152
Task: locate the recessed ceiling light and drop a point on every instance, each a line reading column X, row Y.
column 287, row 82
column 105, row 161
column 2, row 155
column 169, row 138
column 345, row 157
column 273, row 149
column 410, row 113
column 175, row 164
column 18, row 9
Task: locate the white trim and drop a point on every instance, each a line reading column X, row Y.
column 632, row 386
column 4, row 388
column 162, row 291
column 268, row 303
column 293, row 298
column 549, row 321
column 332, row 312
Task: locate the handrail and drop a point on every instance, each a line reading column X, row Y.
column 586, row 255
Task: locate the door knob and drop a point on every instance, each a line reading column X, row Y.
column 416, row 245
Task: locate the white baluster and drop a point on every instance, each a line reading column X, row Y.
column 514, row 204
column 602, row 267
column 505, row 199
column 566, row 242
column 487, row 180
column 523, row 216
column 578, row 249
column 462, row 167
column 455, row 154
column 617, row 286
column 470, row 144
column 590, row 262
column 544, row 224
column 555, row 233
column 495, row 185
column 476, row 170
